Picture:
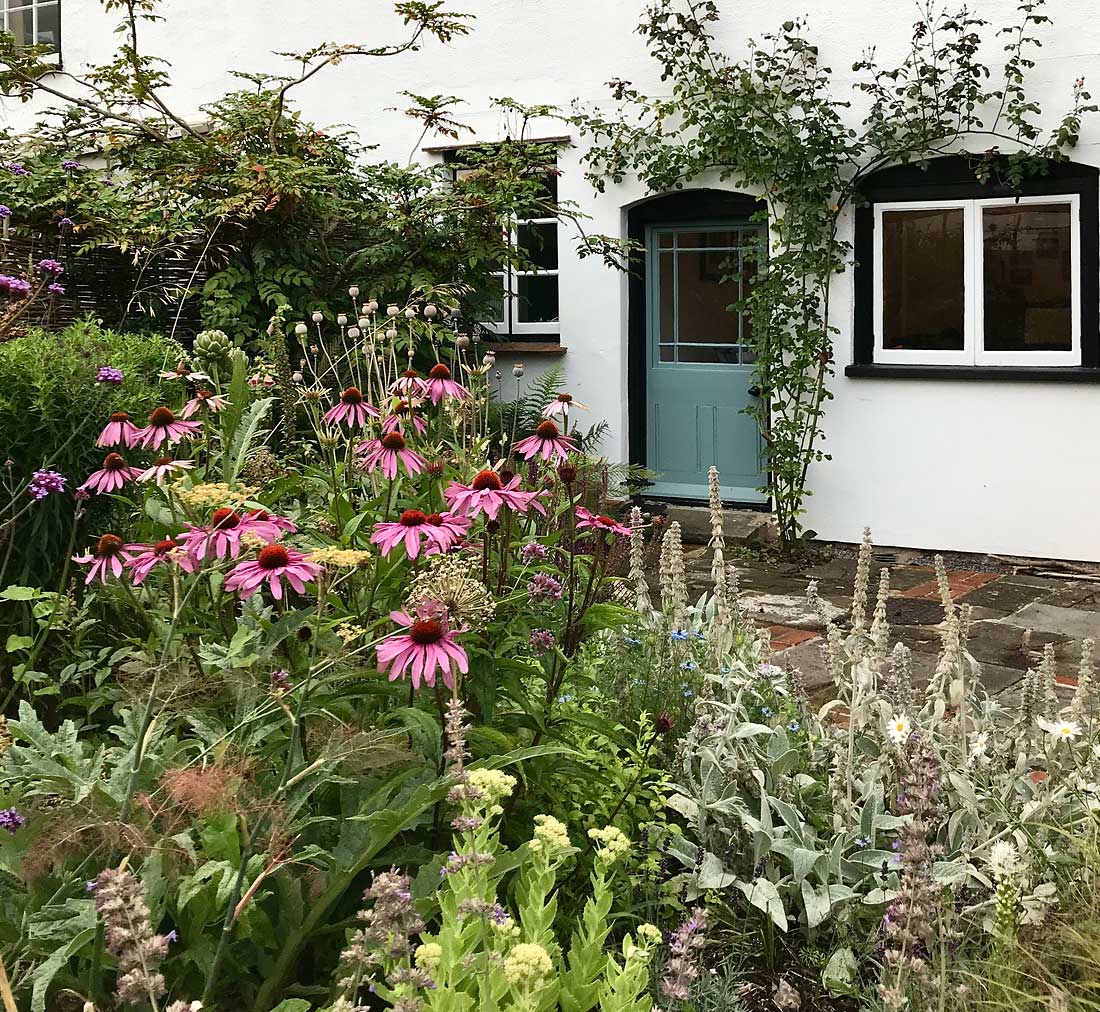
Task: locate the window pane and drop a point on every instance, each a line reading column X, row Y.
column 497, row 305
column 539, row 242
column 703, row 316
column 538, row 298
column 724, row 355
column 922, row 279
column 664, row 240
column 49, row 26
column 21, row 25
column 1027, row 287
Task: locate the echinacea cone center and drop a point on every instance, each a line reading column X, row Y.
column 439, row 372
column 435, row 519
column 109, row 544
column 204, row 395
column 487, row 480
column 120, row 416
column 565, row 398
column 164, row 547
column 161, row 416
column 163, row 461
column 225, row 519
column 546, row 430
column 113, row 462
column 413, row 518
column 393, row 441
column 274, row 557
column 426, row 632
column 411, row 374
column 606, row 521
column 353, row 395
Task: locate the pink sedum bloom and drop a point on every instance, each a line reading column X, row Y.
column 487, row 494
column 164, row 468
column 148, row 557
column 165, row 427
column 440, row 532
column 204, row 400
column 352, row 411
column 274, row 564
column 110, row 555
column 561, row 405
column 111, row 477
column 119, row 431
column 428, row 646
column 441, row 385
column 587, row 520
column 547, row 442
column 387, row 453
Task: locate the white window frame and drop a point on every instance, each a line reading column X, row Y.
column 973, row 352
column 34, row 7
column 509, row 280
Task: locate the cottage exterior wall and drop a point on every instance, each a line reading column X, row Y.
column 1009, row 467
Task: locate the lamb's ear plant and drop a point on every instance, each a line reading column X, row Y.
column 479, row 954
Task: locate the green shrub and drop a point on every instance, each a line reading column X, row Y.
column 51, row 411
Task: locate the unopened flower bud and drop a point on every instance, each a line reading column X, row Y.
column 462, row 341
column 318, row 316
column 353, row 332
column 435, row 468
column 567, row 472
column 517, row 370
column 342, row 319
column 296, row 377
column 410, row 312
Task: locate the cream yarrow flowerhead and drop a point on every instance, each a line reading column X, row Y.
column 1060, row 730
column 340, row 558
column 213, row 494
column 527, row 963
column 492, row 783
column 551, row 833
column 899, row 728
column 611, row 843
column 428, row 956
column 349, row 632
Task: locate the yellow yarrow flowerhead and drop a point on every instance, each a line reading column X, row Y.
column 551, row 833
column 492, row 783
column 428, row 955
column 649, row 934
column 611, row 843
column 216, row 494
column 526, row 964
column 349, row 632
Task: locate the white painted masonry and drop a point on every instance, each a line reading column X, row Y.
column 1009, row 467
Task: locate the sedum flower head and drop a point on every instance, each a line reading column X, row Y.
column 428, row 956
column 611, row 843
column 492, row 783
column 526, row 964
column 550, row 833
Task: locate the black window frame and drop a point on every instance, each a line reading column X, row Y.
column 954, row 178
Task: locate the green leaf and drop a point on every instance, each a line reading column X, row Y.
column 16, row 642
column 16, row 593
column 43, row 976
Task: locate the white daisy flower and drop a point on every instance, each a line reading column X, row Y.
column 899, row 728
column 979, row 745
column 1060, row 730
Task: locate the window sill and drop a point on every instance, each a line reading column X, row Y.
column 526, row 347
column 1010, row 373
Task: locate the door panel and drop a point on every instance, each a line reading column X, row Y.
column 699, row 367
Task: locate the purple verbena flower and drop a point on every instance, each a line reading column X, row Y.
column 14, row 286
column 533, row 550
column 11, row 820
column 44, row 483
column 18, row 170
column 55, row 289
column 69, row 165
column 50, row 267
column 108, row 374
column 543, row 588
column 65, row 224
column 5, row 211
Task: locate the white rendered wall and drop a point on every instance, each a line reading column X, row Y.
column 977, row 466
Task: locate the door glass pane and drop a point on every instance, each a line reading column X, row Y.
column 664, row 240
column 668, row 353
column 1027, row 286
column 702, row 310
column 922, row 279
column 49, row 26
column 538, row 298
column 724, row 355
column 666, row 294
column 539, row 243
column 724, row 239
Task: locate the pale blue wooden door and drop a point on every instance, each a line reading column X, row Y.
column 700, row 361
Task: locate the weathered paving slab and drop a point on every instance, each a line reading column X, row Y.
column 787, row 609
column 1072, row 623
column 1005, row 595
column 741, row 527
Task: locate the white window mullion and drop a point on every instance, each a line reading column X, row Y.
column 973, row 298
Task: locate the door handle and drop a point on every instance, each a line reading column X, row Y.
column 754, row 391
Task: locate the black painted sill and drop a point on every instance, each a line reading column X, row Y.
column 1024, row 374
